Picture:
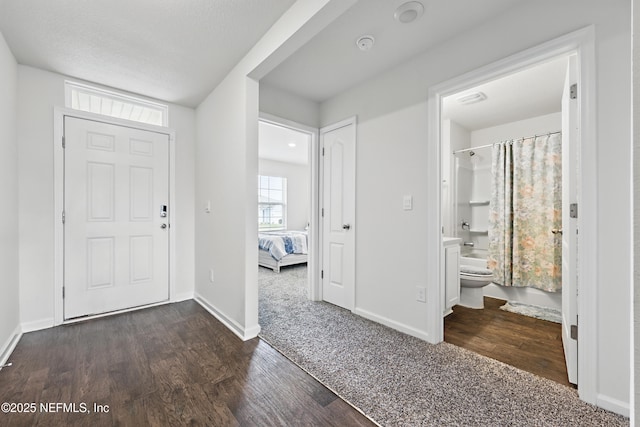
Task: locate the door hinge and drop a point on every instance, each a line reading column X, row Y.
column 63, row 288
column 573, row 210
column 322, row 274
column 64, row 143
column 574, row 332
column 64, row 217
column 323, row 151
column 322, row 213
column 573, row 91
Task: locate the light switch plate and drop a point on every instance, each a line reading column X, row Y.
column 407, row 202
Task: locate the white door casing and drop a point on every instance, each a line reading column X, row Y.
column 570, row 134
column 338, row 144
column 582, row 44
column 313, row 263
column 116, row 241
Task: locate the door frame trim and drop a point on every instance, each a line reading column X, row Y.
column 59, row 114
column 313, row 261
column 353, row 120
column 582, row 43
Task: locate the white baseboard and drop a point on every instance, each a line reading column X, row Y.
column 613, row 405
column 8, row 347
column 241, row 332
column 392, row 324
column 182, row 297
column 37, row 325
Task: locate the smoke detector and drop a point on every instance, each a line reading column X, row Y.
column 408, row 12
column 365, row 43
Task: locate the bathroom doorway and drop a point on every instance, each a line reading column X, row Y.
column 523, row 107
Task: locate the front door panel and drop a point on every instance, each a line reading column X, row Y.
column 116, row 248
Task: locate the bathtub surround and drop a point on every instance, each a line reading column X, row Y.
column 417, row 383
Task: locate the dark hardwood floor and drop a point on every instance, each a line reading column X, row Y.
column 529, row 344
column 170, row 365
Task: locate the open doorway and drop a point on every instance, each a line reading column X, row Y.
column 514, row 313
column 286, row 218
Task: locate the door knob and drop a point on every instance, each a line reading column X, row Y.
column 163, row 226
column 346, row 226
column 556, row 230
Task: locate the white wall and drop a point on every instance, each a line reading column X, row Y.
column 283, row 104
column 392, row 136
column 298, row 197
column 635, row 306
column 183, row 121
column 227, row 166
column 522, row 128
column 38, row 93
column 9, row 284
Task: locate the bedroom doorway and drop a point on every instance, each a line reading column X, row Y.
column 287, row 207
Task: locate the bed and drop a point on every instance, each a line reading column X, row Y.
column 281, row 248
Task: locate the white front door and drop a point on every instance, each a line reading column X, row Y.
column 116, row 204
column 338, row 144
column 569, row 222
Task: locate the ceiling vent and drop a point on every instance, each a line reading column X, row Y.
column 471, row 98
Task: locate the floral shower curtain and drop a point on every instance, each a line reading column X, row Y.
column 525, row 206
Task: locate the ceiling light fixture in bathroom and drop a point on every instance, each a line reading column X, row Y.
column 291, row 144
column 471, row 98
column 365, row 43
column 408, row 12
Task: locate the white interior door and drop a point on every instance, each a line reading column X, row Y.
column 569, row 222
column 116, row 197
column 338, row 144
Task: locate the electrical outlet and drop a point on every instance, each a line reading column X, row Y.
column 421, row 294
column 211, row 275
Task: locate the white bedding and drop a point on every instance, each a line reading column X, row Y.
column 281, row 243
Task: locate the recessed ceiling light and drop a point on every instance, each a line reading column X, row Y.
column 471, row 98
column 291, row 144
column 365, row 43
column 408, row 12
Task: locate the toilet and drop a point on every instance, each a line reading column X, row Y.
column 472, row 280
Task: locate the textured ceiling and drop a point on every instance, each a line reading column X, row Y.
column 172, row 50
column 332, row 63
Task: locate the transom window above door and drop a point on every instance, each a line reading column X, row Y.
column 99, row 101
column 272, row 203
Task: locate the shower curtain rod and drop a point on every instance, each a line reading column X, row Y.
column 464, row 150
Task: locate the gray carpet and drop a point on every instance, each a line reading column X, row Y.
column 398, row 380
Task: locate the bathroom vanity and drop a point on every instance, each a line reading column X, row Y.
column 450, row 272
